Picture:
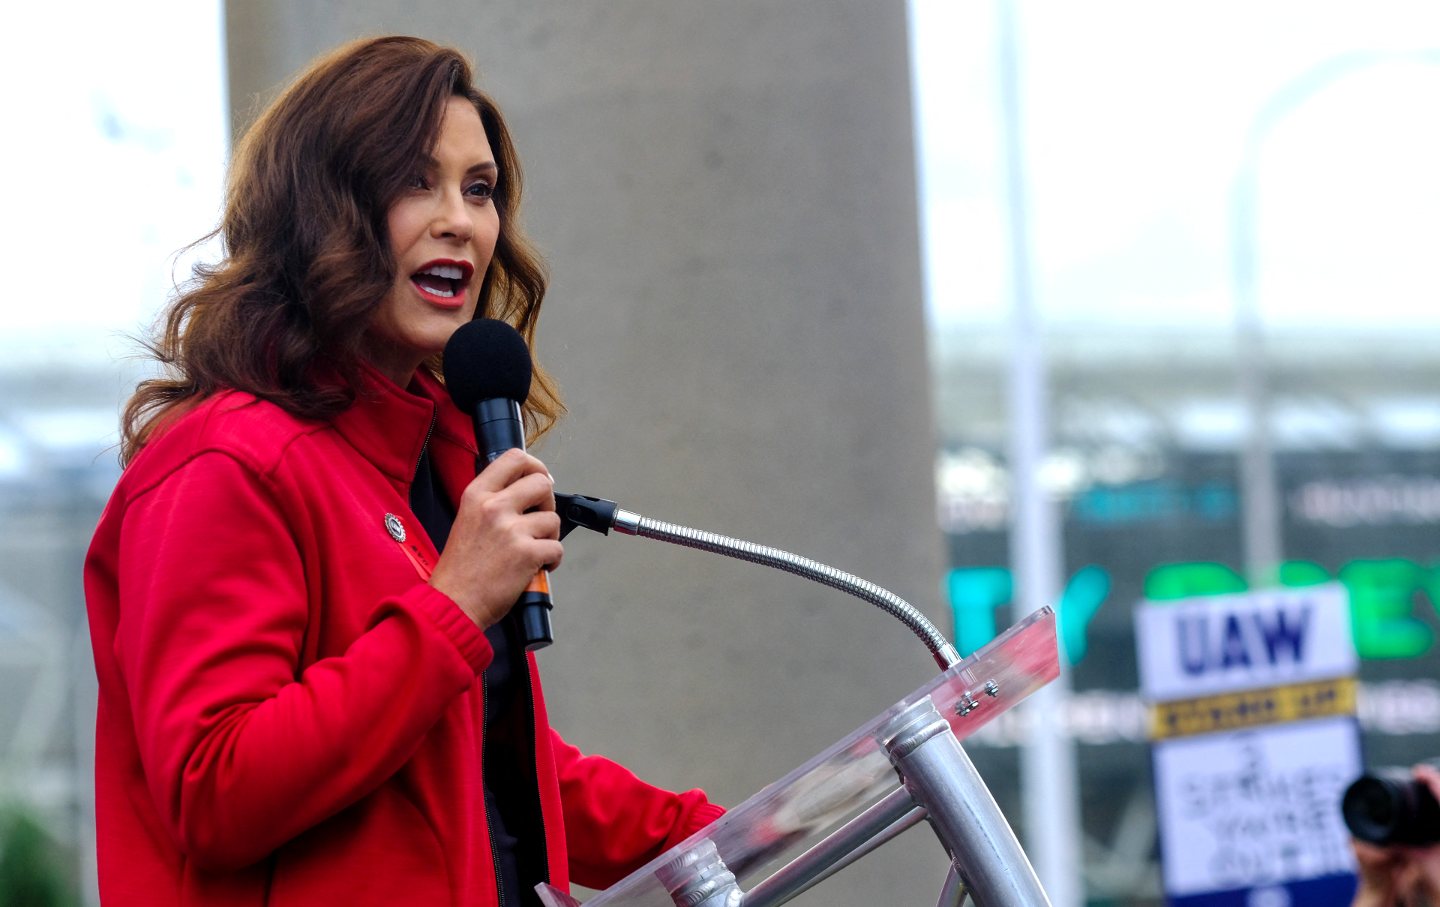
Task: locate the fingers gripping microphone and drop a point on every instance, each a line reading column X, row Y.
column 487, row 371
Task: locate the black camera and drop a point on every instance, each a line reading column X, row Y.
column 1388, row 806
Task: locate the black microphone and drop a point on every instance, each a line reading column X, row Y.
column 487, row 371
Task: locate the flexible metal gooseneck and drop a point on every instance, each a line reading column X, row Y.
column 601, row 516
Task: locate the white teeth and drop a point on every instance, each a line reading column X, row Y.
column 449, row 272
column 446, row 293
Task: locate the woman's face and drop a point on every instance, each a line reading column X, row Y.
column 443, row 229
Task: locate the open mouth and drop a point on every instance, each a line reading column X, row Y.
column 443, row 281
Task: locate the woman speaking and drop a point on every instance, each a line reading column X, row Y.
column 309, row 693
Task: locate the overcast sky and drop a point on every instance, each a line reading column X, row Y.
column 1135, row 114
column 114, row 156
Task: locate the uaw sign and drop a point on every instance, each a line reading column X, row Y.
column 1253, row 720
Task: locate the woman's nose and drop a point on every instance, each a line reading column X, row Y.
column 452, row 218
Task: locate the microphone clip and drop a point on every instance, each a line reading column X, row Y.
column 575, row 510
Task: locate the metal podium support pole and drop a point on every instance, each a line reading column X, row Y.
column 942, row 779
column 941, row 784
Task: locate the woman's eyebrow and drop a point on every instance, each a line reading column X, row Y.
column 489, row 168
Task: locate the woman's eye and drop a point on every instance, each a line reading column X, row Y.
column 418, row 181
column 481, row 190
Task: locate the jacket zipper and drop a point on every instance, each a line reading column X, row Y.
column 534, row 762
column 489, row 825
column 534, row 778
column 425, row 445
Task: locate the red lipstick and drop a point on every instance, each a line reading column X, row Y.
column 443, row 282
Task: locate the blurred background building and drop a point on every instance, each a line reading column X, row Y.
column 1222, row 217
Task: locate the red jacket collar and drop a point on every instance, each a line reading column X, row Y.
column 390, row 425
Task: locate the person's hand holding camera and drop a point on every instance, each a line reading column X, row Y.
column 1397, row 843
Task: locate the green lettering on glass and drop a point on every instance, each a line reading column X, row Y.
column 1169, row 582
column 1382, row 606
column 1432, row 586
column 1295, row 574
column 976, row 593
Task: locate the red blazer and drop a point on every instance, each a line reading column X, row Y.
column 288, row 713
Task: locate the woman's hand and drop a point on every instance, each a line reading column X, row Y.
column 505, row 531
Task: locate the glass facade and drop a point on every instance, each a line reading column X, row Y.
column 1217, row 222
column 1150, row 507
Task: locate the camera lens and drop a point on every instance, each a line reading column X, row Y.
column 1389, row 807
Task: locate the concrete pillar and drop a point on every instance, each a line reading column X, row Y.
column 726, row 195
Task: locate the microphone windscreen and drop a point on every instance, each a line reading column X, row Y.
column 486, row 359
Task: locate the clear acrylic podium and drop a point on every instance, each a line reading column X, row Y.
column 902, row 767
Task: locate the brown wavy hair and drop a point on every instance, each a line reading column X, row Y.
column 306, row 255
